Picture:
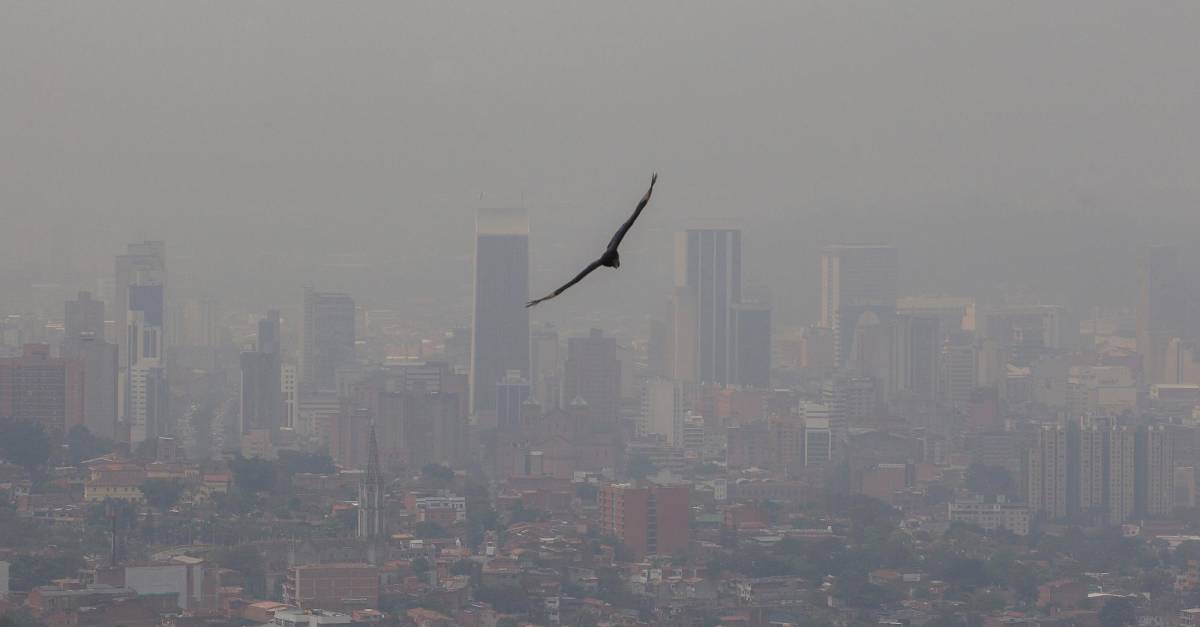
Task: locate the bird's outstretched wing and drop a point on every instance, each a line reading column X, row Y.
column 579, row 277
column 620, row 234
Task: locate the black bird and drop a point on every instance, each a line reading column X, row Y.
column 611, row 258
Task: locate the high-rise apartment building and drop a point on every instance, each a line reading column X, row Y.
column 500, row 333
column 856, row 278
column 1046, row 473
column 287, row 388
column 650, row 519
column 709, row 263
column 593, row 373
column 1156, row 471
column 328, row 344
column 1110, row 474
column 1122, row 474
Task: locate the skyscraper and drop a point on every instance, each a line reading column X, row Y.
column 144, row 263
column 593, row 373
column 511, row 393
column 709, row 262
column 1161, row 309
column 500, row 334
column 84, row 343
column 83, row 315
column 1046, row 473
column 1156, row 471
column 916, row 358
column 146, row 392
column 329, row 323
column 856, row 277
column 545, row 367
column 752, row 345
column 262, row 384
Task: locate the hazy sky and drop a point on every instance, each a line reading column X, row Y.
column 1001, row 145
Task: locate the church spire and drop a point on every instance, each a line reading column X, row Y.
column 370, row 494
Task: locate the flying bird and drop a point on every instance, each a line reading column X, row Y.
column 610, row 258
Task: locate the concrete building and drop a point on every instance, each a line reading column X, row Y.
column 1008, row 516
column 342, row 587
column 663, row 410
column 1156, row 471
column 500, row 327
column 289, row 393
column 546, row 357
column 818, row 441
column 1046, row 473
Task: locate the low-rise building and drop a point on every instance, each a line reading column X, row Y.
column 1009, row 516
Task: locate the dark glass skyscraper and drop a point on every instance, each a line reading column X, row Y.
column 709, row 263
column 500, row 334
column 328, row 339
column 262, row 373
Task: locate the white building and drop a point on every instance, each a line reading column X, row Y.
column 663, row 410
column 439, row 507
column 287, row 383
column 1014, row 518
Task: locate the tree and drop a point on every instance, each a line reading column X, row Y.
column 162, row 494
column 248, row 561
column 437, row 474
column 19, row 617
column 82, row 445
column 254, row 475
column 28, row 571
column 1118, row 612
column 24, row 443
column 294, row 462
column 429, row 529
column 640, row 467
column 587, row 492
column 507, row 599
column 990, row 481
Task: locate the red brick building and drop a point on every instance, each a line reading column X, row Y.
column 42, row 389
column 650, row 519
column 341, row 587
